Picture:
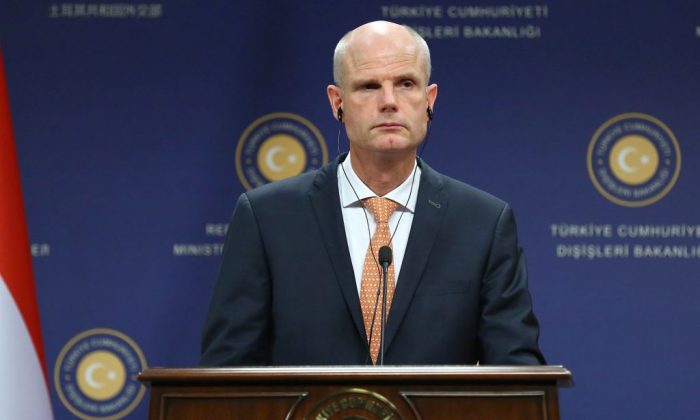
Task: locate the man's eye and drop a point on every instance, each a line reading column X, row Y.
column 370, row 86
column 407, row 83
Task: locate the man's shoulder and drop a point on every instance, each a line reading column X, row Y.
column 294, row 185
column 461, row 193
column 286, row 189
column 462, row 190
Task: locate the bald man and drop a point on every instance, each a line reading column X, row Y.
column 301, row 280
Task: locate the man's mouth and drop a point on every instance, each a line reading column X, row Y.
column 389, row 125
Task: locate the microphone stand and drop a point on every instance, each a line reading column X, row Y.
column 385, row 259
column 385, row 270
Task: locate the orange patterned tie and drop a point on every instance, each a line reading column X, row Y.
column 381, row 209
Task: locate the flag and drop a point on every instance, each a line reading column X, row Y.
column 24, row 390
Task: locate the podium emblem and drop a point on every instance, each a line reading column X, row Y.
column 354, row 404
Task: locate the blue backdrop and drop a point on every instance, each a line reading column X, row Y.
column 127, row 118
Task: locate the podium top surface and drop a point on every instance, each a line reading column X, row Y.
column 449, row 373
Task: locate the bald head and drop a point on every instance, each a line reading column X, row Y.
column 387, row 34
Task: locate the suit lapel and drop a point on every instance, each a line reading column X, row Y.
column 325, row 201
column 431, row 207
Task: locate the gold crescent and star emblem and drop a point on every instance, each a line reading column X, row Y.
column 280, row 157
column 101, row 375
column 277, row 146
column 95, row 374
column 633, row 159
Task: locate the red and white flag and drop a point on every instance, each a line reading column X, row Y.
column 24, row 390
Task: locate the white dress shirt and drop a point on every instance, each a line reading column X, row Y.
column 357, row 230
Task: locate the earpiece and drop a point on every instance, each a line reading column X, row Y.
column 340, row 114
column 430, row 113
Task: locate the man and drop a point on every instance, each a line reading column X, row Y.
column 300, row 281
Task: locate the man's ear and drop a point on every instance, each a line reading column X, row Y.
column 432, row 92
column 335, row 98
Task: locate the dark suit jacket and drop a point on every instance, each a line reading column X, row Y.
column 286, row 292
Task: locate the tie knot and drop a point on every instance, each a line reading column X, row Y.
column 381, row 208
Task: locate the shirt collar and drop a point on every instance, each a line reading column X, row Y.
column 348, row 180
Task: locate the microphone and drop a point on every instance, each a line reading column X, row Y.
column 385, row 256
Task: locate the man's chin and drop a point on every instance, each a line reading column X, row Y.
column 387, row 145
column 392, row 142
column 396, row 148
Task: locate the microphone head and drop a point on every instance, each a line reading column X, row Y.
column 385, row 255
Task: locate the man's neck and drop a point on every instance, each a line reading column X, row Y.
column 382, row 173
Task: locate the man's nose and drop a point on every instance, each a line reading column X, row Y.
column 388, row 99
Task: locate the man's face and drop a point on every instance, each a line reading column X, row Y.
column 384, row 95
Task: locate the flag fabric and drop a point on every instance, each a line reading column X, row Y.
column 24, row 390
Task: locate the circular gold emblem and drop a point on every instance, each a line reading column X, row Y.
column 101, row 375
column 633, row 160
column 278, row 146
column 280, row 157
column 354, row 404
column 96, row 375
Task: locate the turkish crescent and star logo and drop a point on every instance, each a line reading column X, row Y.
column 278, row 146
column 96, row 374
column 634, row 160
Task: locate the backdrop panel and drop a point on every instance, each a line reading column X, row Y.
column 139, row 123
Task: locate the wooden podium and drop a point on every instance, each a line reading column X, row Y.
column 318, row 393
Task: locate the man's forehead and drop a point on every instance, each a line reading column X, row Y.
column 382, row 59
column 382, row 43
column 383, row 56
